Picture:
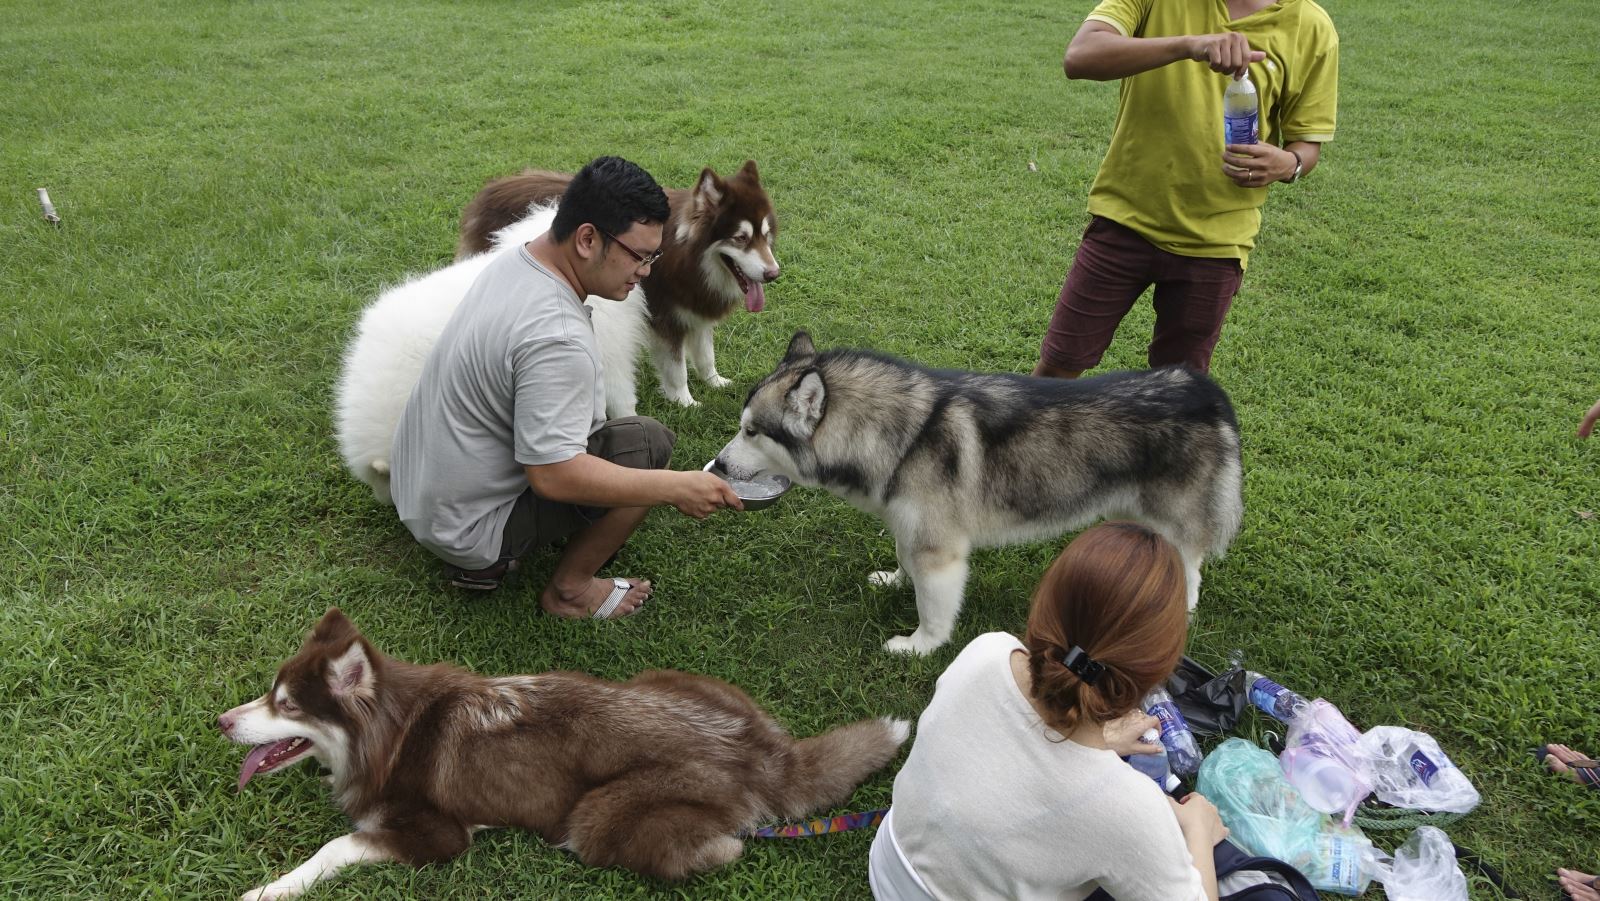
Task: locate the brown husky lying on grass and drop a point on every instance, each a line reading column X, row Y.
column 659, row 774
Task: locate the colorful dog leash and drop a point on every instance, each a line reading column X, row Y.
column 866, row 819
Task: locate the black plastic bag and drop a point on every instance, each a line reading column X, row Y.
column 1212, row 704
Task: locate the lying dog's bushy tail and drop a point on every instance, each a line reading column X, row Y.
column 825, row 769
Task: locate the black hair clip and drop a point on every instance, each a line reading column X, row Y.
column 1078, row 662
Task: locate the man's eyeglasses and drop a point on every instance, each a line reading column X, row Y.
column 642, row 259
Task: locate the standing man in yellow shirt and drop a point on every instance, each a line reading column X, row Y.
column 1172, row 206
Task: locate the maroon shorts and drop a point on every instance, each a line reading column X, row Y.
column 1113, row 267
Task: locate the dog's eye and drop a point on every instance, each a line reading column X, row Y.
column 742, row 239
column 750, row 431
column 288, row 706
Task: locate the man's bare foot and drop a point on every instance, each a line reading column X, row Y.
column 1578, row 886
column 1562, row 759
column 587, row 596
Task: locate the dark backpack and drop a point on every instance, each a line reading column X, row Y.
column 1231, row 860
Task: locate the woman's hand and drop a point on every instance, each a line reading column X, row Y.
column 1122, row 734
column 1198, row 818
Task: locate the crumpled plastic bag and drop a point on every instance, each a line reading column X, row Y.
column 1408, row 769
column 1264, row 814
column 1267, row 817
column 1210, row 704
column 1323, row 759
column 1425, row 869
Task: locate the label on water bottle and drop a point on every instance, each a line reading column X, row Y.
column 1240, row 128
column 1341, row 870
column 1264, row 693
column 1424, row 767
column 1167, row 714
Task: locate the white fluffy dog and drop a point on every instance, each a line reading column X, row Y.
column 396, row 333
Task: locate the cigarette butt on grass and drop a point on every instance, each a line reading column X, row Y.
column 49, row 208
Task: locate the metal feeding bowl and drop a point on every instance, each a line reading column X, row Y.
column 757, row 493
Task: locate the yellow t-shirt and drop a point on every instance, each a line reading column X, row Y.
column 1162, row 176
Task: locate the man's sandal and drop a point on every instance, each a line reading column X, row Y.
column 486, row 579
column 619, row 590
column 1585, row 769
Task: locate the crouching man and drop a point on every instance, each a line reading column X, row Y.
column 504, row 445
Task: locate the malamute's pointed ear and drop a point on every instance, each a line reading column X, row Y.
column 800, row 348
column 708, row 190
column 350, row 674
column 333, row 626
column 806, row 401
column 749, row 170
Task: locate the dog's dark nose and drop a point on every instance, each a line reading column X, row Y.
column 770, row 275
column 225, row 723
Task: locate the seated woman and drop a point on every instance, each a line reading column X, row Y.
column 1015, row 787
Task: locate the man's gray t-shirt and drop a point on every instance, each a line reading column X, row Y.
column 513, row 380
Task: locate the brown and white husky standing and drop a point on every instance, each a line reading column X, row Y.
column 659, row 774
column 716, row 252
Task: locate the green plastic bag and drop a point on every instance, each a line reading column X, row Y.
column 1262, row 811
column 1266, row 816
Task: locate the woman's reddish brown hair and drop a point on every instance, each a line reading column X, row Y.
column 1117, row 591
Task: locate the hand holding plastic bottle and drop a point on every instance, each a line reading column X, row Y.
column 1257, row 165
column 1124, row 734
column 1228, row 52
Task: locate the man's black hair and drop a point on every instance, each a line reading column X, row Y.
column 611, row 194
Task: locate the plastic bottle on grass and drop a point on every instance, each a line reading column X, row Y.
column 1273, row 699
column 1241, row 111
column 1409, row 769
column 1183, row 752
column 1344, row 861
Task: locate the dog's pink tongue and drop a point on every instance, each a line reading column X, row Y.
column 755, row 296
column 256, row 757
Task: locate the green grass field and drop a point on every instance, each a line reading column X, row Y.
column 1411, row 352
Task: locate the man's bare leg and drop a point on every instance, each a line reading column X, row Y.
column 573, row 590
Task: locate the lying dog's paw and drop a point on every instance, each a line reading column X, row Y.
column 273, row 891
column 886, row 578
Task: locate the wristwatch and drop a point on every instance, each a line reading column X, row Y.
column 1297, row 164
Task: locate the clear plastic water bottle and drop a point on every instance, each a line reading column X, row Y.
column 1343, row 862
column 1183, row 752
column 1241, row 111
column 1273, row 699
column 1154, row 765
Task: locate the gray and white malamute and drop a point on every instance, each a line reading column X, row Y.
column 958, row 460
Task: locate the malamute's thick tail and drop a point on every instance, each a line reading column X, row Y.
column 825, row 769
column 1227, row 495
